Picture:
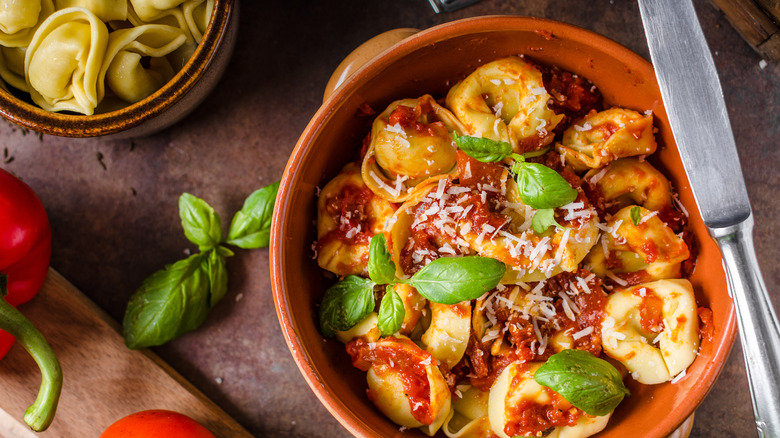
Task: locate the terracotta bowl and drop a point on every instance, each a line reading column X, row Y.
column 165, row 107
column 430, row 62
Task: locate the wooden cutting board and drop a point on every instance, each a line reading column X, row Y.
column 103, row 379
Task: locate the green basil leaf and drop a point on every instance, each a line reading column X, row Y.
column 584, row 380
column 544, row 219
column 636, row 214
column 216, row 269
column 541, row 187
column 483, row 149
column 381, row 268
column 251, row 226
column 391, row 312
column 345, row 304
column 201, row 223
column 170, row 302
column 450, row 280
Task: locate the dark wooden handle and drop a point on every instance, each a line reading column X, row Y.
column 758, row 21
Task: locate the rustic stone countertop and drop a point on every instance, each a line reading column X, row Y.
column 113, row 203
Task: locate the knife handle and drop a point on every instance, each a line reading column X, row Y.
column 759, row 330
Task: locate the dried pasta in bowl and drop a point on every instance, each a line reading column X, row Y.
column 509, row 260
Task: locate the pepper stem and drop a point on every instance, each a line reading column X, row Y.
column 41, row 413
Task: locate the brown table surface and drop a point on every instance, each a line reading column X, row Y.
column 115, row 219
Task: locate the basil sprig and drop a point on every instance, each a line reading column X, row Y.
column 391, row 312
column 544, row 219
column 446, row 280
column 177, row 299
column 584, row 380
column 539, row 186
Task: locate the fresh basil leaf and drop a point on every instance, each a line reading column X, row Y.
column 636, row 214
column 201, row 223
column 450, row 280
column 544, row 219
column 391, row 312
column 584, row 380
column 541, row 187
column 251, row 226
column 170, row 302
column 381, row 268
column 345, row 304
column 216, row 269
column 483, row 149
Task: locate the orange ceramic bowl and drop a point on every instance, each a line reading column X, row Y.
column 430, row 62
column 163, row 108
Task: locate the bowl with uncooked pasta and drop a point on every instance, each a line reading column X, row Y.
column 486, row 230
column 126, row 68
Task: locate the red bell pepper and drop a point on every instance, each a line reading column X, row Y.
column 25, row 251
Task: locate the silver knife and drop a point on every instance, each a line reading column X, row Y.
column 697, row 114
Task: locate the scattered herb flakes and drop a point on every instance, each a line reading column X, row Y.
column 99, row 156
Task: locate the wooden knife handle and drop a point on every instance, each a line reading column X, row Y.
column 758, row 21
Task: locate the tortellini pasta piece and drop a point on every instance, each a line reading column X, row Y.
column 12, row 67
column 601, row 137
column 348, row 215
column 426, row 407
column 630, row 332
column 505, row 100
column 197, row 14
column 531, row 256
column 469, row 418
column 64, row 59
column 448, row 335
column 649, row 248
column 19, row 20
column 106, row 10
column 123, row 70
column 516, row 387
column 414, row 307
column 173, row 16
column 410, row 141
column 149, row 10
column 629, row 181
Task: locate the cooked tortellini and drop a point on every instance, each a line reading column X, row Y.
column 88, row 56
column 591, row 282
column 12, row 67
column 20, row 18
column 63, row 61
column 506, row 100
column 149, row 10
column 348, row 214
column 516, row 388
column 601, row 137
column 106, row 10
column 124, row 72
column 387, row 380
column 631, row 181
column 652, row 329
column 410, row 141
column 648, row 248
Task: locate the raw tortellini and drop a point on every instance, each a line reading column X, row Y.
column 119, row 51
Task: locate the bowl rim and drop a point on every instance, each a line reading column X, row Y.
column 37, row 119
column 441, row 32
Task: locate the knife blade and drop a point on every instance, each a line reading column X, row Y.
column 697, row 113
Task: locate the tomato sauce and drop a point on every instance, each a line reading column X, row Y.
column 408, row 118
column 405, row 358
column 706, row 325
column 651, row 317
column 529, row 418
column 572, row 94
column 348, row 209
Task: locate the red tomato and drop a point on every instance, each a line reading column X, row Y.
column 156, row 423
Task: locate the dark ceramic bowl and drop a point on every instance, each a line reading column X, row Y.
column 430, row 62
column 163, row 108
